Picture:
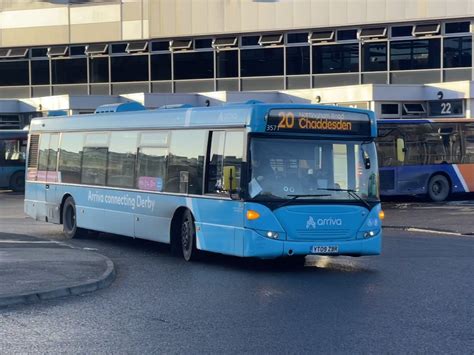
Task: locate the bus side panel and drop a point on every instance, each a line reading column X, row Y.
column 413, row 179
column 35, row 204
column 6, row 173
column 153, row 215
column 219, row 224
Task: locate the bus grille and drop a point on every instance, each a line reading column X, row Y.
column 387, row 179
column 33, row 153
column 322, row 234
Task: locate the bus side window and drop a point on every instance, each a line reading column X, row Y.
column 94, row 159
column 70, row 154
column 186, row 162
column 121, row 159
column 43, row 156
column 225, row 161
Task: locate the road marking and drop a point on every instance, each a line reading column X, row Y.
column 437, row 232
column 34, row 242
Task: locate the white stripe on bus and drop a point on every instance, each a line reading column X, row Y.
column 461, row 178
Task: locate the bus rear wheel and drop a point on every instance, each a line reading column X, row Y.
column 70, row 228
column 438, row 188
column 188, row 237
column 17, row 182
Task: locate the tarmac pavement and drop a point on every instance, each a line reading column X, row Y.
column 34, row 268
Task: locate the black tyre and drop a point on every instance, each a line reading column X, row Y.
column 188, row 237
column 17, row 182
column 438, row 188
column 70, row 228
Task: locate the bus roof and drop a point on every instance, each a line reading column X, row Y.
column 235, row 115
column 13, row 133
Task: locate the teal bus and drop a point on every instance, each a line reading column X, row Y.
column 12, row 159
column 250, row 180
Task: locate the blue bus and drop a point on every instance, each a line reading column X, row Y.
column 429, row 157
column 251, row 180
column 12, row 159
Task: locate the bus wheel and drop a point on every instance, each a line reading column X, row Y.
column 188, row 237
column 438, row 188
column 70, row 228
column 17, row 182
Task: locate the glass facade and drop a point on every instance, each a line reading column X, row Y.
column 386, row 54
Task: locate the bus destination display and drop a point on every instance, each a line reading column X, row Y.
column 318, row 121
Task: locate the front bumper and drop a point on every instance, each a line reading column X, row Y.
column 256, row 245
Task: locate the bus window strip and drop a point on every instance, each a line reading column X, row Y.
column 169, row 140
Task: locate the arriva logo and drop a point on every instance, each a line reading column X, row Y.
column 311, row 223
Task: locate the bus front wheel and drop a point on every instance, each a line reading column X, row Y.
column 438, row 188
column 188, row 237
column 70, row 228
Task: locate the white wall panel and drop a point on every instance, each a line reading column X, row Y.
column 437, row 8
column 34, row 18
column 457, row 7
column 319, row 13
column 94, row 14
column 183, row 17
column 249, row 16
column 395, row 11
column 230, row 22
column 376, row 9
column 166, row 17
column 267, row 15
column 199, row 11
column 284, row 17
column 302, row 11
column 357, row 11
column 338, row 11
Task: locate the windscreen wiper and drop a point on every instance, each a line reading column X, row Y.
column 294, row 197
column 351, row 193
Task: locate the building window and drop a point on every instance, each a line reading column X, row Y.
column 389, row 109
column 261, row 62
column 402, row 31
column 250, row 40
column 297, row 37
column 416, row 54
column 161, row 67
column 297, row 60
column 374, row 56
column 457, row 27
column 40, row 72
column 14, row 73
column 99, row 70
column 341, row 58
column 129, row 68
column 346, row 35
column 193, row 65
column 69, row 71
column 227, row 64
column 457, row 52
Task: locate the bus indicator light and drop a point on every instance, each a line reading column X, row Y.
column 382, row 215
column 252, row 215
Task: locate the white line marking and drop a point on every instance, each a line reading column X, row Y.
column 33, row 242
column 435, row 232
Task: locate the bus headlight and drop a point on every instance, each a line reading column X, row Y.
column 369, row 234
column 273, row 235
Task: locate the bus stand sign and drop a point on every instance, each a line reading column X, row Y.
column 446, row 108
column 318, row 121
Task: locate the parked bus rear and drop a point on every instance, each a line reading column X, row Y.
column 12, row 159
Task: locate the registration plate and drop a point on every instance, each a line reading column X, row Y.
column 327, row 249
